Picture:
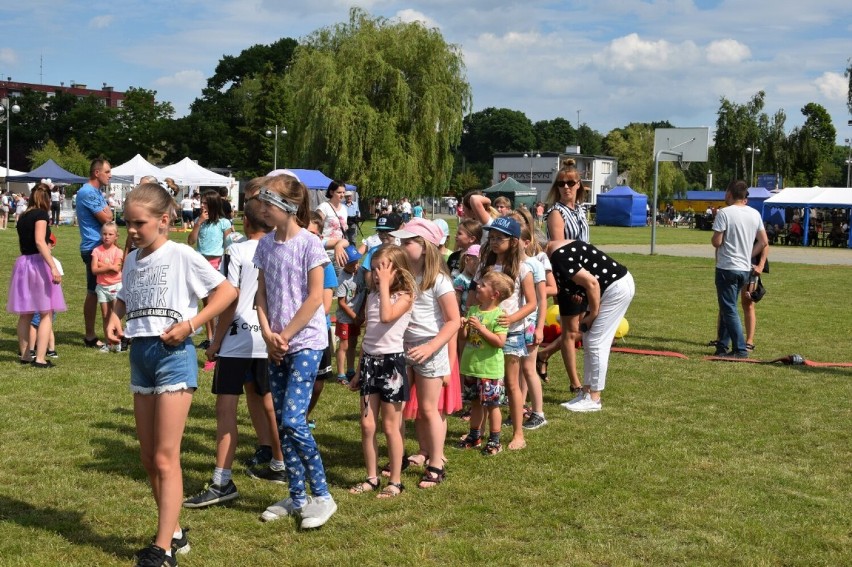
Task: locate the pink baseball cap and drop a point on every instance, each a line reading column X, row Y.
column 472, row 251
column 424, row 228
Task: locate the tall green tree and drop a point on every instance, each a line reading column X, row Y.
column 377, row 102
column 589, row 140
column 493, row 130
column 813, row 142
column 553, row 135
column 737, row 128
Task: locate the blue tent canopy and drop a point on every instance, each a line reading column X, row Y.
column 318, row 182
column 48, row 170
column 621, row 206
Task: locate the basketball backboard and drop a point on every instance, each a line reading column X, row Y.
column 681, row 144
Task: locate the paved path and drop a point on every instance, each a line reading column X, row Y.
column 789, row 254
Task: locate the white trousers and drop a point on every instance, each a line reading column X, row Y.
column 598, row 340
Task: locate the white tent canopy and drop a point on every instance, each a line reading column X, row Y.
column 15, row 186
column 136, row 168
column 187, row 172
column 815, row 197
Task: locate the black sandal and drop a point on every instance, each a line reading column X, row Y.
column 432, row 475
column 360, row 489
column 388, row 492
column 92, row 343
column 386, row 472
column 749, row 346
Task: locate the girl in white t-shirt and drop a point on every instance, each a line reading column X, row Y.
column 381, row 377
column 435, row 320
column 504, row 254
column 162, row 283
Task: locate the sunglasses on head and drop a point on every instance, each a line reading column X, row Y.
column 567, row 183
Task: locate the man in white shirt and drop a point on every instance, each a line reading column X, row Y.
column 738, row 236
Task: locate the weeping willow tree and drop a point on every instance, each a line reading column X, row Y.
column 378, row 103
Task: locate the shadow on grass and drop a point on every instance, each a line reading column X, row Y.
column 69, row 525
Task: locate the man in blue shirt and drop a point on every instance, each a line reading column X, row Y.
column 92, row 212
column 351, row 211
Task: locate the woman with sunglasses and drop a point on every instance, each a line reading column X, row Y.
column 566, row 220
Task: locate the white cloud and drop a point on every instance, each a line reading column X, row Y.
column 410, row 15
column 8, row 56
column 727, row 52
column 833, row 86
column 631, row 53
column 191, row 79
column 511, row 41
column 100, row 22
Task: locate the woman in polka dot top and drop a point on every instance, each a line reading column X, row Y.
column 581, row 268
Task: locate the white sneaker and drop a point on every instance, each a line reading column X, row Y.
column 587, row 404
column 581, row 395
column 317, row 512
column 280, row 510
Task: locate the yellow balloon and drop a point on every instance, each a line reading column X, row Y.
column 552, row 316
column 623, row 329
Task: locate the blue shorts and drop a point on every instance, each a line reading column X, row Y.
column 515, row 345
column 156, row 368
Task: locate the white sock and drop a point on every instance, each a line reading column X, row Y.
column 276, row 465
column 178, row 534
column 221, row 477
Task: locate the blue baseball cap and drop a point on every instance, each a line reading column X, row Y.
column 506, row 225
column 352, row 254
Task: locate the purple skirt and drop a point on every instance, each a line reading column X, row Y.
column 32, row 289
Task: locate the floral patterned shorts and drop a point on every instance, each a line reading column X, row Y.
column 384, row 375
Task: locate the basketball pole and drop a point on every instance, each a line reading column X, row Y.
column 656, row 187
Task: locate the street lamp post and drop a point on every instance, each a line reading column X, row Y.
column 532, row 156
column 283, row 132
column 849, row 161
column 9, row 108
column 754, row 150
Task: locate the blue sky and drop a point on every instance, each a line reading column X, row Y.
column 616, row 61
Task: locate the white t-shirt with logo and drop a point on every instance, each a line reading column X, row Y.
column 426, row 315
column 243, row 339
column 164, row 288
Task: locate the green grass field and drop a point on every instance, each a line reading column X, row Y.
column 690, row 462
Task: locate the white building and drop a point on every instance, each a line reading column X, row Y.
column 538, row 169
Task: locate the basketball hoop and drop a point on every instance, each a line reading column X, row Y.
column 684, row 165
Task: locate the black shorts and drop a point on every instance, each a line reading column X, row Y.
column 232, row 374
column 324, row 372
column 384, row 375
column 91, row 279
column 567, row 307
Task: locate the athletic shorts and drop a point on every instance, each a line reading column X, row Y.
column 490, row 393
column 232, row 374
column 157, row 368
column 384, row 375
column 107, row 293
column 324, row 372
column 186, row 216
column 345, row 331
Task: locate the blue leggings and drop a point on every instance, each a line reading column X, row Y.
column 292, row 383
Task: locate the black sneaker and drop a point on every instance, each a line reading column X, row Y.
column 534, row 421
column 268, row 474
column 181, row 544
column 262, row 456
column 212, row 494
column 52, row 354
column 154, row 556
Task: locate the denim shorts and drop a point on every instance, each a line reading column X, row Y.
column 436, row 366
column 515, row 345
column 156, row 367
